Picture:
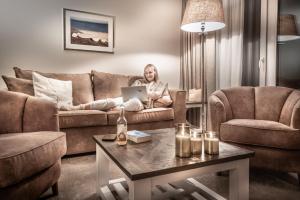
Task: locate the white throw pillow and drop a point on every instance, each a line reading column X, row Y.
column 56, row 91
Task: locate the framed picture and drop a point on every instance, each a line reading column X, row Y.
column 88, row 31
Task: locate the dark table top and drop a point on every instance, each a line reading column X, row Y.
column 157, row 157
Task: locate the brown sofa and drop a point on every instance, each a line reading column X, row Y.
column 30, row 146
column 81, row 125
column 264, row 119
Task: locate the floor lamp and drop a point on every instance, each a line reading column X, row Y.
column 287, row 28
column 202, row 16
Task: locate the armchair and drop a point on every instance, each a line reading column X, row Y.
column 263, row 119
column 30, row 146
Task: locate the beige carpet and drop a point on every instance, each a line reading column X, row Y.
column 78, row 180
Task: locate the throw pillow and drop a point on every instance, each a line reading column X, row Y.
column 19, row 85
column 25, row 74
column 107, row 85
column 56, row 91
column 81, row 83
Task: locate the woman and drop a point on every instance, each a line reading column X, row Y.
column 158, row 94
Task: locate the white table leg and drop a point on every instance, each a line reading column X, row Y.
column 239, row 181
column 140, row 189
column 102, row 169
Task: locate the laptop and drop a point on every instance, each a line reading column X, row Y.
column 139, row 92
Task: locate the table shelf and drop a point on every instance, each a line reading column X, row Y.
column 188, row 189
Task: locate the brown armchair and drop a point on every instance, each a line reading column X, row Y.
column 30, row 146
column 264, row 119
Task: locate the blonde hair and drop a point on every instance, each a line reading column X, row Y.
column 155, row 70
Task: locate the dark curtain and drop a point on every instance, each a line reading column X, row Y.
column 251, row 43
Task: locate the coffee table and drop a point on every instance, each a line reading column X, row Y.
column 146, row 165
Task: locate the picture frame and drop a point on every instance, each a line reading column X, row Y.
column 87, row 31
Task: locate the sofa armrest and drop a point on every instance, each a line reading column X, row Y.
column 11, row 111
column 40, row 115
column 295, row 120
column 178, row 97
column 217, row 113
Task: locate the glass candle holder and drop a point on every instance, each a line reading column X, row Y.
column 183, row 142
column 196, row 142
column 211, row 143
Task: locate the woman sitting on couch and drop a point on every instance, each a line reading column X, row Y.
column 157, row 92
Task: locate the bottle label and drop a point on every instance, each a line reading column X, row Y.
column 121, row 128
column 121, row 132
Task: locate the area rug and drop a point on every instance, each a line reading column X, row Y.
column 78, row 181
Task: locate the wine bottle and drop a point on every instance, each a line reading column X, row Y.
column 122, row 128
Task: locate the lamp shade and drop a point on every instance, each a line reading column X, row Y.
column 203, row 16
column 287, row 29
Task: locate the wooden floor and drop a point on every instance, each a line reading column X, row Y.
column 190, row 189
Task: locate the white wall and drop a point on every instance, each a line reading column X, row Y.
column 147, row 31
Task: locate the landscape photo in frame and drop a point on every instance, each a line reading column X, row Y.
column 88, row 31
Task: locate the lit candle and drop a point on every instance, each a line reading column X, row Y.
column 196, row 144
column 211, row 143
column 183, row 143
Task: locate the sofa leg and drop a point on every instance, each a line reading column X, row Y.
column 55, row 189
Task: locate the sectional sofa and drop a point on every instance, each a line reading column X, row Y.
column 81, row 125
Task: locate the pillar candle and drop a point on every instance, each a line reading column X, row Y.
column 211, row 145
column 183, row 145
column 196, row 145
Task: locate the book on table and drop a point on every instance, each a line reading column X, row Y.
column 138, row 136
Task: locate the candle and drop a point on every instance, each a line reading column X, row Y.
column 196, row 145
column 182, row 140
column 196, row 141
column 211, row 143
column 183, row 145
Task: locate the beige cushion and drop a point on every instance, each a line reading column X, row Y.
column 25, row 154
column 56, row 91
column 269, row 102
column 143, row 116
column 292, row 102
column 241, row 101
column 19, row 85
column 108, row 85
column 82, row 118
column 81, row 83
column 260, row 133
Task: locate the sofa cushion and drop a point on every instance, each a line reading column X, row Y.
column 82, row 118
column 241, row 100
column 288, row 108
column 25, row 154
column 269, row 102
column 260, row 133
column 108, row 85
column 53, row 90
column 81, row 83
column 39, row 115
column 19, row 85
column 143, row 116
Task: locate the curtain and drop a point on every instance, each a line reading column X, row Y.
column 222, row 55
column 229, row 46
column 250, row 75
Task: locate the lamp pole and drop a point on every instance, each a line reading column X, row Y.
column 203, row 84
